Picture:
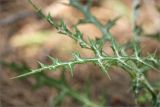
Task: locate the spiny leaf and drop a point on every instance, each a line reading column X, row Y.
column 136, row 48
column 137, row 83
column 77, row 56
column 115, row 47
column 147, row 64
column 62, row 28
column 71, row 68
column 78, row 36
column 29, row 73
column 50, row 20
column 132, row 64
column 153, row 58
column 78, row 33
column 95, row 49
column 58, row 64
column 126, row 65
column 55, row 61
column 51, row 58
column 41, row 64
column 102, row 66
column 100, row 44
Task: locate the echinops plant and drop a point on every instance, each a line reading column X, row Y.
column 134, row 63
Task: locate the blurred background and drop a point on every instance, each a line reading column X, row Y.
column 26, row 38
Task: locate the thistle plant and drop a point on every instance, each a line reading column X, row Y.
column 134, row 63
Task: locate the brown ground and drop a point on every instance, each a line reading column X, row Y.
column 24, row 37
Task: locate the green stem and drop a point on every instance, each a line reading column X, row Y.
column 92, row 19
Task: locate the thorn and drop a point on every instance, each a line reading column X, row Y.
column 27, row 74
column 51, row 58
column 77, row 56
column 103, row 69
column 41, row 64
column 54, row 61
column 71, row 69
